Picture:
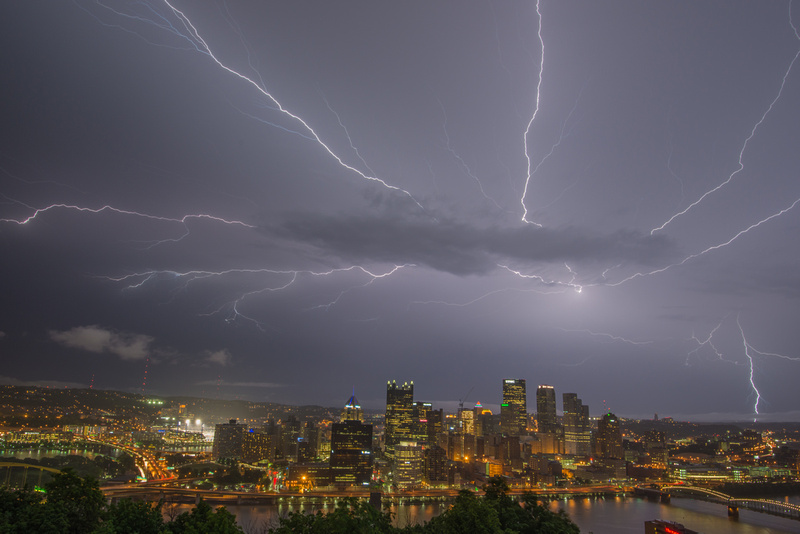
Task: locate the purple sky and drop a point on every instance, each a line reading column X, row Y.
column 284, row 200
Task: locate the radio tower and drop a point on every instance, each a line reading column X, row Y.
column 144, row 378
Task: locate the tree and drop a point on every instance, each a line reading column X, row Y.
column 129, row 517
column 79, row 500
column 468, row 514
column 351, row 516
column 203, row 520
column 22, row 512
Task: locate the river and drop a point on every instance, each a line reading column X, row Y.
column 621, row 515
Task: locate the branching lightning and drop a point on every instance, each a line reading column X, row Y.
column 705, row 251
column 753, row 131
column 533, row 118
column 202, row 46
column 461, row 161
column 577, row 287
column 609, row 336
column 183, row 220
column 752, row 370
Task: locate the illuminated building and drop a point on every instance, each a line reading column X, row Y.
column 609, row 437
column 546, row 409
column 229, row 440
column 352, row 410
column 399, row 415
column 577, row 432
column 257, row 446
column 434, row 468
column 408, row 464
column 466, row 420
column 351, row 453
column 291, row 433
column 514, row 409
column 478, row 412
column 427, row 423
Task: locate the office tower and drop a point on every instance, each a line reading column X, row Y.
column 609, row 437
column 546, row 410
column 409, row 458
column 466, row 420
column 229, row 440
column 352, row 410
column 656, row 447
column 291, row 433
column 434, row 467
column 514, row 409
column 435, row 425
column 257, row 446
column 427, row 423
column 478, row 417
column 351, row 453
column 577, row 432
column 312, row 435
column 399, row 415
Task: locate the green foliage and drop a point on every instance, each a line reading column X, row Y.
column 351, row 516
column 203, row 520
column 494, row 513
column 75, row 505
column 22, row 512
column 469, row 514
column 132, row 517
column 79, row 500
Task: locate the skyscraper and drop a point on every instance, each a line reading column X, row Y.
column 577, row 433
column 351, row 453
column 546, row 409
column 352, row 410
column 229, row 440
column 514, row 409
column 399, row 415
column 609, row 437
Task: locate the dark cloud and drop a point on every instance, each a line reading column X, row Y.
column 462, row 249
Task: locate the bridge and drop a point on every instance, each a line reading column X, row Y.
column 767, row 506
column 8, row 466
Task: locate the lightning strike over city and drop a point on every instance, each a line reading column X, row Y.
column 600, row 196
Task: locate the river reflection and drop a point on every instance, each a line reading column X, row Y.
column 38, row 454
column 594, row 516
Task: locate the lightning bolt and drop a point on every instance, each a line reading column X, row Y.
column 707, row 341
column 461, row 161
column 374, row 277
column 705, row 251
column 746, row 141
column 192, row 35
column 577, row 287
column 347, row 133
column 533, row 118
column 609, row 336
column 183, row 220
column 563, row 134
column 748, row 348
column 752, row 370
column 233, row 308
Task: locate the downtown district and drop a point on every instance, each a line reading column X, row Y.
column 411, row 447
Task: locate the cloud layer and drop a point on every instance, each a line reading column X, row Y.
column 94, row 338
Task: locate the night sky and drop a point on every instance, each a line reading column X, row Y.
column 283, row 201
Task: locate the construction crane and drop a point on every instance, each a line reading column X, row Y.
column 461, row 401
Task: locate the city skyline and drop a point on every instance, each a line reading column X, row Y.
column 280, row 202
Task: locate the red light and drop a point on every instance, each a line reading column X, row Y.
column 670, row 531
